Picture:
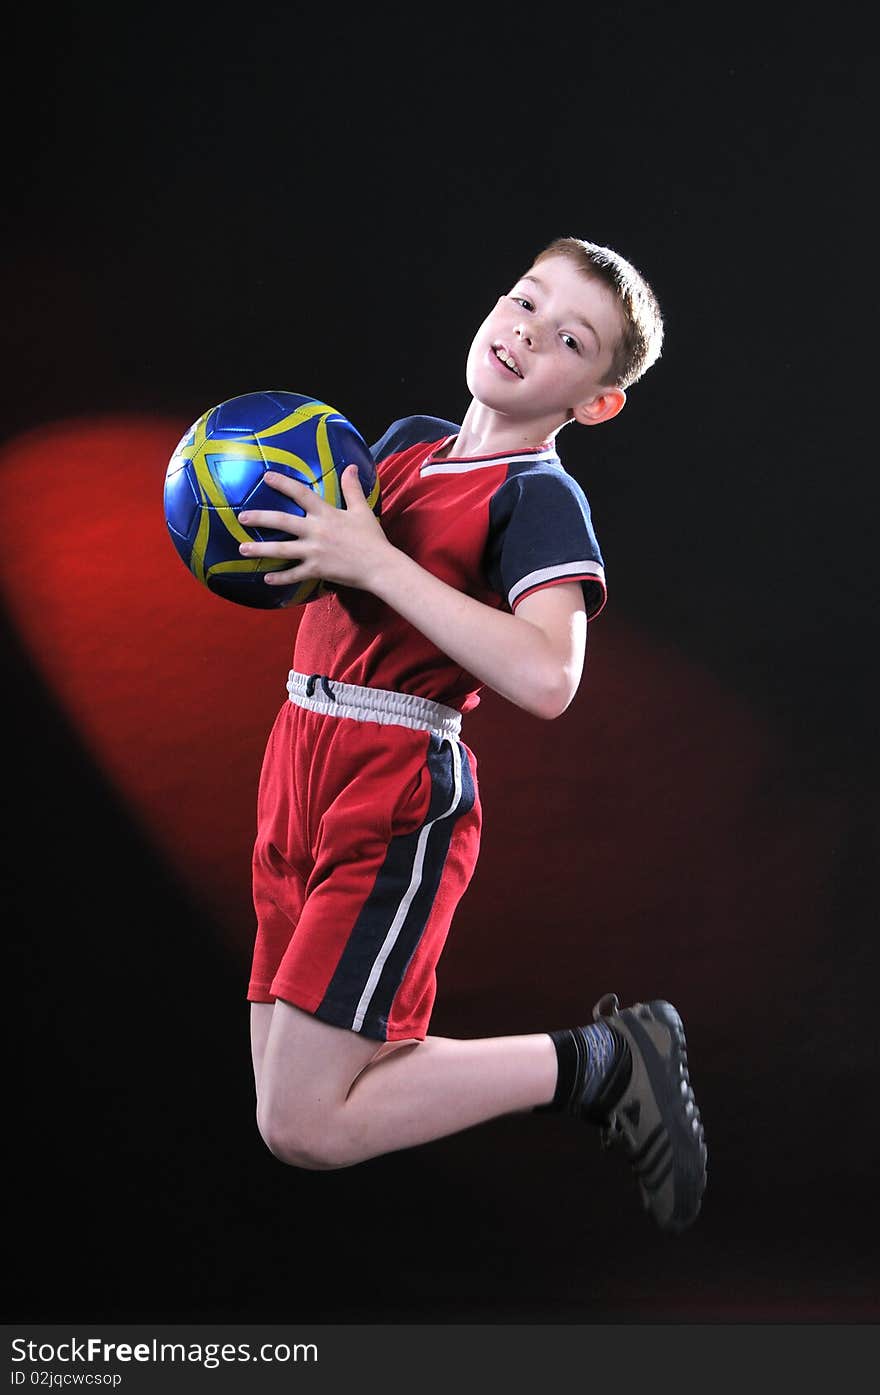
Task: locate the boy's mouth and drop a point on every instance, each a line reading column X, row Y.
column 505, row 357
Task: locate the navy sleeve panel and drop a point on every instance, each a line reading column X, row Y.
column 411, row 431
column 541, row 534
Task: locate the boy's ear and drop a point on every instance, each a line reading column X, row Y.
column 601, row 408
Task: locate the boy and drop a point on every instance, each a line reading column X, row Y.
column 484, row 570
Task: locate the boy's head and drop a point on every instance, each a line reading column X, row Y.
column 573, row 333
column 641, row 335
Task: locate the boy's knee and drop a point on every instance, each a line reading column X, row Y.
column 297, row 1145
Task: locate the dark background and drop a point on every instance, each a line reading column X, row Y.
column 200, row 206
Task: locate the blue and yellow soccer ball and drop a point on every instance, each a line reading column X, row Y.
column 217, row 470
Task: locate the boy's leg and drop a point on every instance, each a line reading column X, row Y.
column 329, row 1097
column 261, row 1021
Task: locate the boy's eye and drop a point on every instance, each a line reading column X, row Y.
column 570, row 342
column 523, row 301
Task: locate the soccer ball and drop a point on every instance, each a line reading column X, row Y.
column 217, row 470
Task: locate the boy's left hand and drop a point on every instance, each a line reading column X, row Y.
column 343, row 546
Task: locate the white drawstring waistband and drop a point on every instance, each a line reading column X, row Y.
column 320, row 693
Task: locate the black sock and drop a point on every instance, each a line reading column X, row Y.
column 587, row 1059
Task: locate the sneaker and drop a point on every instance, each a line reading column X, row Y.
column 652, row 1113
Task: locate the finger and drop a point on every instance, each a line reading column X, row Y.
column 284, row 578
column 351, row 485
column 294, row 548
column 268, row 518
column 302, row 493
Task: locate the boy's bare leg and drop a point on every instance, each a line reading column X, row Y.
column 261, row 1021
column 328, row 1097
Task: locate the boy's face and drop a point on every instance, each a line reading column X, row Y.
column 543, row 354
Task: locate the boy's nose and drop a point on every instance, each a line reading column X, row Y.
column 524, row 332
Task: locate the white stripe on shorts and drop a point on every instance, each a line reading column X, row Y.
column 403, row 909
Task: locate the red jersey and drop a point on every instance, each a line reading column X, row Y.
column 495, row 527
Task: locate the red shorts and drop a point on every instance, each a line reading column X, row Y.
column 368, row 833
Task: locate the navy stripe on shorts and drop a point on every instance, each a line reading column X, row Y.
column 394, row 917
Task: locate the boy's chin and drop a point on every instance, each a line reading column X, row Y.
column 498, row 397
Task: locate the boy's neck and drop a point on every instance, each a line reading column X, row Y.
column 483, row 432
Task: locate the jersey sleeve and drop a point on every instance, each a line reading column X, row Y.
column 411, row 431
column 541, row 534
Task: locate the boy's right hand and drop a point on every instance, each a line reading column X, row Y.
column 345, row 546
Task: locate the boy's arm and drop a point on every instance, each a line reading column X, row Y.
column 534, row 658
